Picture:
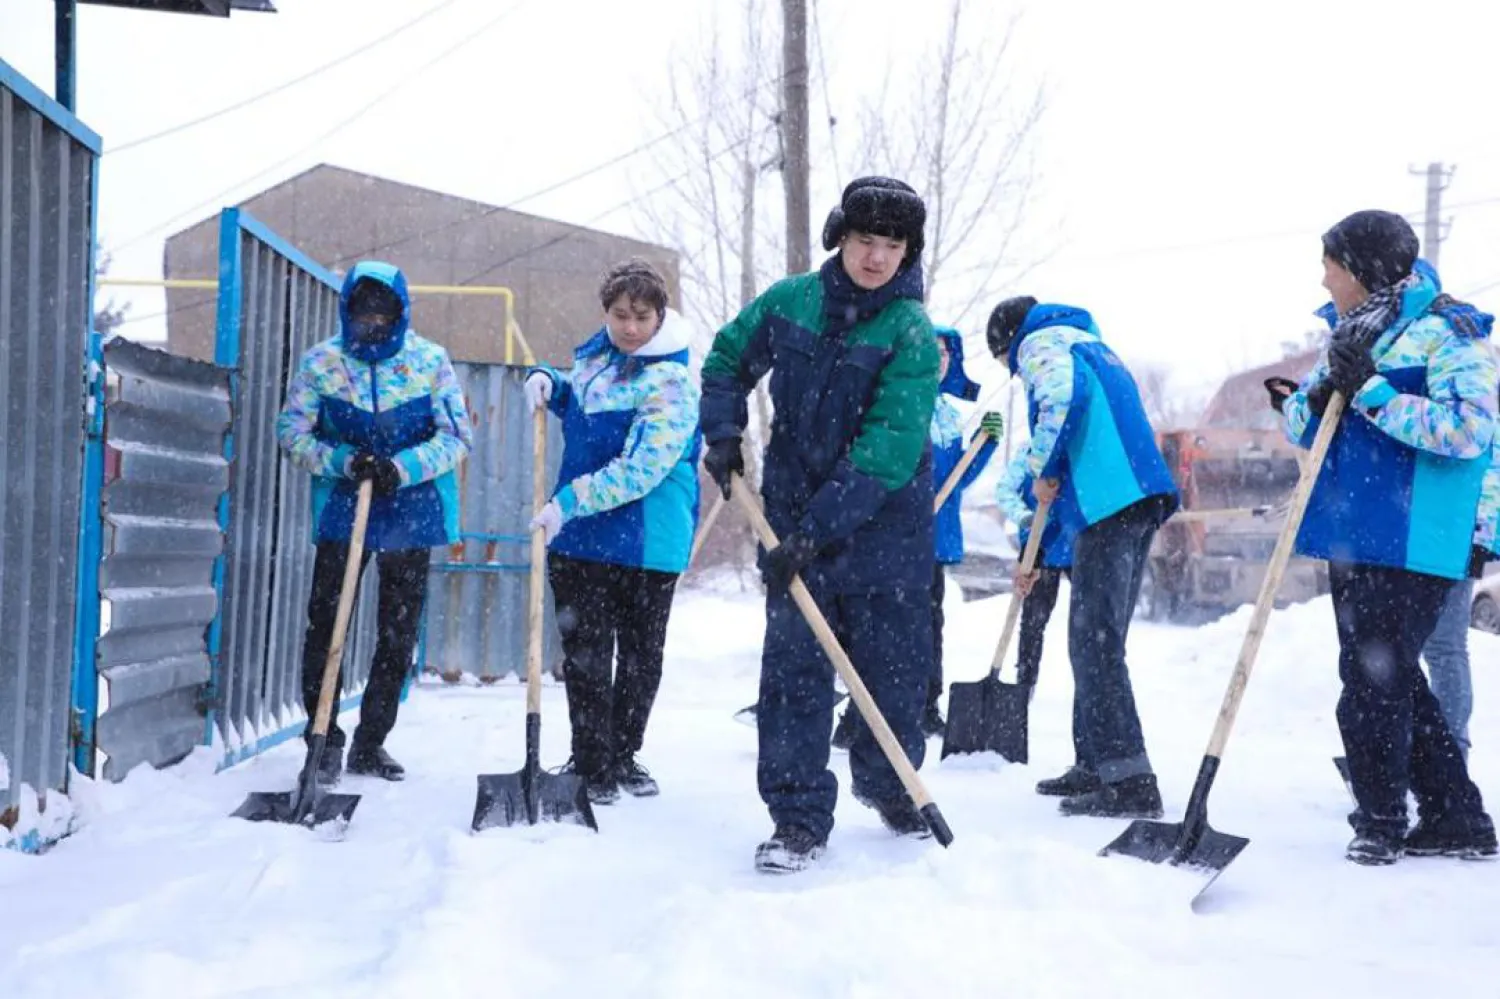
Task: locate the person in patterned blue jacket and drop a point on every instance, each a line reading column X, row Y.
column 1094, row 455
column 1394, row 512
column 620, row 524
column 375, row 402
column 1019, row 505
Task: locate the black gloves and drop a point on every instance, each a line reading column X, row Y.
column 382, row 471
column 788, row 558
column 723, row 461
column 1279, row 388
column 1349, row 367
column 1318, row 396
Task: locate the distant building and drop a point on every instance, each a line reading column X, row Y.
column 1241, row 403
column 338, row 216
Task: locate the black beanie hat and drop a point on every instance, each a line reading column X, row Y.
column 1005, row 320
column 880, row 206
column 1378, row 248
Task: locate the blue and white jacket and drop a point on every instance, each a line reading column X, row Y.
column 948, row 449
column 1089, row 429
column 1402, row 482
column 399, row 399
column 1019, row 506
column 628, row 486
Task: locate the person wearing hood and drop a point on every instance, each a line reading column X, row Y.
column 848, row 489
column 1394, row 511
column 376, row 402
column 619, row 526
column 1447, row 650
column 1094, row 455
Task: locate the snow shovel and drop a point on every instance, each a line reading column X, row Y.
column 532, row 795
column 748, row 715
column 1192, row 843
column 988, row 715
column 309, row 804
column 857, row 690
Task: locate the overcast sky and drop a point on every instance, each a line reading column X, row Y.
column 1189, row 156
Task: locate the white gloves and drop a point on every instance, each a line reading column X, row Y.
column 549, row 521
column 538, row 387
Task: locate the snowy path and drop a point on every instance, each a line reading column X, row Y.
column 161, row 894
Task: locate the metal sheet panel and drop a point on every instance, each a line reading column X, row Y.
column 47, row 163
column 476, row 610
column 165, row 421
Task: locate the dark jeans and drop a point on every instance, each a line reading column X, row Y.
column 935, row 681
column 1395, row 736
column 602, row 608
column 1036, row 611
column 888, row 638
column 1109, row 559
column 403, row 592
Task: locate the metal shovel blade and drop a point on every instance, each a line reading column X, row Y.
column 1179, row 844
column 1342, row 765
column 283, row 806
column 987, row 716
column 528, row 796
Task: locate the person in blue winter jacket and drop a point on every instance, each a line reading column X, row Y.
column 948, row 532
column 375, row 402
column 1094, row 455
column 619, row 526
column 1018, row 504
column 1394, row 511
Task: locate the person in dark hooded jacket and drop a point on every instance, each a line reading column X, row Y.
column 1094, row 455
column 375, row 402
column 847, row 486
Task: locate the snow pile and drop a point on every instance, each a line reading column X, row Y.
column 161, row 887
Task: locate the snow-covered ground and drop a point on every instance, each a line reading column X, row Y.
column 161, row 894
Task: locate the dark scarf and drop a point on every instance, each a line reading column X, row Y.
column 1368, row 321
column 846, row 304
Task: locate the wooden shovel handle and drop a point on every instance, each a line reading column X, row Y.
column 352, row 565
column 538, row 564
column 975, row 446
column 826, row 638
column 1028, row 562
column 705, row 527
column 1275, row 569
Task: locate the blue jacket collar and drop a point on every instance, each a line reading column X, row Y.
column 956, row 382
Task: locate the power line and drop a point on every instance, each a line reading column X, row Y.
column 281, row 87
column 833, row 149
column 364, row 109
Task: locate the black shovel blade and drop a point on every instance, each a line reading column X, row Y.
column 987, row 716
column 527, row 797
column 1176, row 843
column 1342, row 765
column 283, row 806
column 748, row 716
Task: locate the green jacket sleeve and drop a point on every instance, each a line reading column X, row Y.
column 740, row 356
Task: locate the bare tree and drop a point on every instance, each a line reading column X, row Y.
column 964, row 140
column 109, row 316
column 1168, row 406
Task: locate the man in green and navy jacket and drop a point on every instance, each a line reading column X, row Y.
column 848, row 489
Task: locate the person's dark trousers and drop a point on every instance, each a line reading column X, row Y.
column 1036, row 611
column 1109, row 560
column 889, row 640
column 1395, row 736
column 935, row 682
column 602, row 608
column 403, row 593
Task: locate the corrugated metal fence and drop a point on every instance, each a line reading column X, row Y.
column 476, row 607
column 47, row 166
column 165, row 421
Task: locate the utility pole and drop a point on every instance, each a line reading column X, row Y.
column 1434, row 230
column 797, row 170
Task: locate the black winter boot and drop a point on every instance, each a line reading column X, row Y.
column 602, row 787
column 932, row 721
column 374, row 761
column 789, row 850
column 898, row 815
column 330, row 765
column 1132, row 798
column 1075, row 781
column 1374, row 849
column 1468, row 837
column 635, row 779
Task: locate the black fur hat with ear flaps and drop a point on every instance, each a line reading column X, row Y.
column 880, row 206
